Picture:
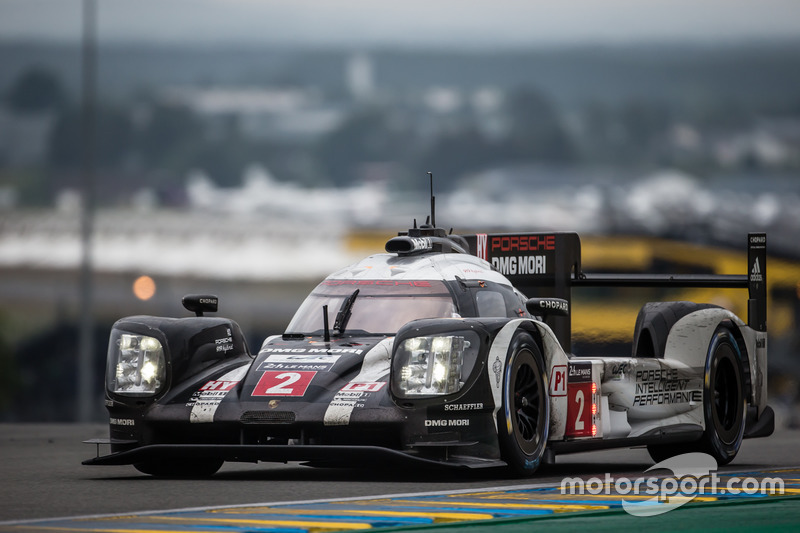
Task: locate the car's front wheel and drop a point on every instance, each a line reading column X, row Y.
column 524, row 418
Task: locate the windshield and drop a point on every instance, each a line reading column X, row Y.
column 380, row 308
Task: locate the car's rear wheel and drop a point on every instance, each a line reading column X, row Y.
column 724, row 404
column 524, row 417
column 180, row 468
column 724, row 400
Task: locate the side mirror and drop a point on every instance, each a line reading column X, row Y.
column 547, row 306
column 200, row 303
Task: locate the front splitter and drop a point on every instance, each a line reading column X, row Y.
column 329, row 455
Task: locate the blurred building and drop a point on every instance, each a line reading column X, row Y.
column 278, row 114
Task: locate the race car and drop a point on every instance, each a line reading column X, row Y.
column 447, row 350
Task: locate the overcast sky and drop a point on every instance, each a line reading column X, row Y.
column 407, row 22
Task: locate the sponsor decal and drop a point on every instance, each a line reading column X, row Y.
column 522, row 243
column 514, row 255
column 761, row 342
column 421, row 243
column 620, row 369
column 314, row 367
column 755, row 272
column 364, row 386
column 558, row 381
column 122, row 421
column 463, row 406
column 554, row 303
column 523, row 264
column 369, row 382
column 580, row 372
column 483, row 241
column 207, row 398
column 276, row 383
column 349, row 399
column 353, row 395
column 664, row 386
column 440, row 423
column 205, row 401
column 219, row 386
column 308, row 355
column 225, row 344
column 497, row 368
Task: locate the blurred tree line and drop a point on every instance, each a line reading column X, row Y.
column 146, row 142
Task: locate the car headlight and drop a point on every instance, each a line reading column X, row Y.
column 433, row 365
column 136, row 364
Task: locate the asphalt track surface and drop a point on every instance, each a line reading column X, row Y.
column 41, row 477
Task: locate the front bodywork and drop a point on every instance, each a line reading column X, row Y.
column 297, row 397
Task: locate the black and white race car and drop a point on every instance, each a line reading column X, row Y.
column 432, row 353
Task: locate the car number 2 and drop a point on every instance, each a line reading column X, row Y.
column 579, row 399
column 278, row 383
column 579, row 410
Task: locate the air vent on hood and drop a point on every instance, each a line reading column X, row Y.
column 267, row 417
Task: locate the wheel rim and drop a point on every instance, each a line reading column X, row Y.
column 528, row 404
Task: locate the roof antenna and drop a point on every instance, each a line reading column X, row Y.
column 433, row 203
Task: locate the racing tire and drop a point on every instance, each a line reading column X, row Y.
column 180, row 468
column 724, row 399
column 724, row 404
column 524, row 418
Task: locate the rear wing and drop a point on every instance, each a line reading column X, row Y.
column 549, row 265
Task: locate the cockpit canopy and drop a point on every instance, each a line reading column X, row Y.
column 382, row 307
